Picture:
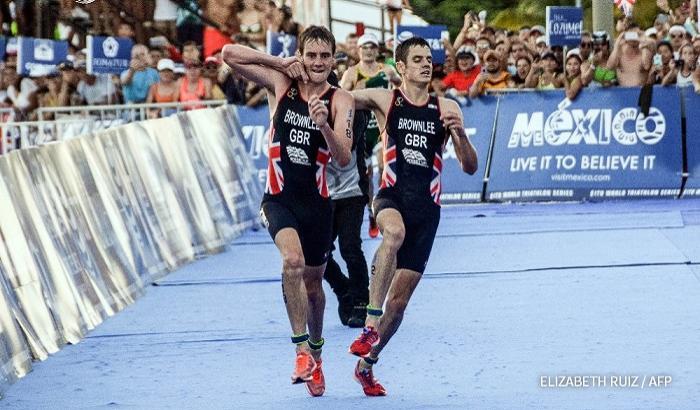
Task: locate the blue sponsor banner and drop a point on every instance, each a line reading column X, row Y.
column 38, row 57
column 457, row 186
column 3, row 47
column 564, row 26
column 281, row 45
column 692, row 113
column 108, row 55
column 432, row 34
column 599, row 147
column 255, row 124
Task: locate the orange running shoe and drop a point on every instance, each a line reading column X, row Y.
column 303, row 368
column 373, row 228
column 365, row 342
column 317, row 385
column 369, row 384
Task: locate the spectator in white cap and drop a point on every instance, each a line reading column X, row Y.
column 541, row 45
column 165, row 90
column 676, row 36
column 368, row 69
column 537, row 31
column 651, row 33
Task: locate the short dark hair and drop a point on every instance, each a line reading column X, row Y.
column 316, row 33
column 664, row 44
column 403, row 48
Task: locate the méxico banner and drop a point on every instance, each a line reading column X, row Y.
column 599, row 147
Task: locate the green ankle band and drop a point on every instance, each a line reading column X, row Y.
column 299, row 339
column 316, row 345
column 374, row 311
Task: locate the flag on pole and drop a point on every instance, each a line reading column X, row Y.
column 625, row 6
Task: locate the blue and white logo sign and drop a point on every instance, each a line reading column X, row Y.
column 38, row 57
column 3, row 47
column 110, row 47
column 601, row 146
column 564, row 26
column 281, row 44
column 434, row 35
column 108, row 55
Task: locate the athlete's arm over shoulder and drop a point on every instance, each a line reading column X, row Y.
column 377, row 99
column 266, row 70
column 454, row 124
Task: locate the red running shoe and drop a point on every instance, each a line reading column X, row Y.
column 365, row 342
column 373, row 228
column 317, row 385
column 369, row 384
column 304, row 367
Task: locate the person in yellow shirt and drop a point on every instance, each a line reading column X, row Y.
column 493, row 76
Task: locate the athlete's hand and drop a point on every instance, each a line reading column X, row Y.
column 318, row 111
column 294, row 68
column 452, row 122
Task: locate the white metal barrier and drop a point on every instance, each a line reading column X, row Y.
column 128, row 112
column 63, row 123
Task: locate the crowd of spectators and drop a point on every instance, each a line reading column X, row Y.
column 177, row 55
column 483, row 58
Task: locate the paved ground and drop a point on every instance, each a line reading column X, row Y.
column 514, row 296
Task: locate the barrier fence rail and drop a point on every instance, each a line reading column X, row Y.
column 129, row 112
column 62, row 123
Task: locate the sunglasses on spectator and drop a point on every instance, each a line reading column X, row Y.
column 677, row 36
column 586, row 44
column 369, row 47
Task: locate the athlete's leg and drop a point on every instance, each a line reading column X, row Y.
column 402, row 287
column 313, row 279
column 293, row 290
column 384, row 263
